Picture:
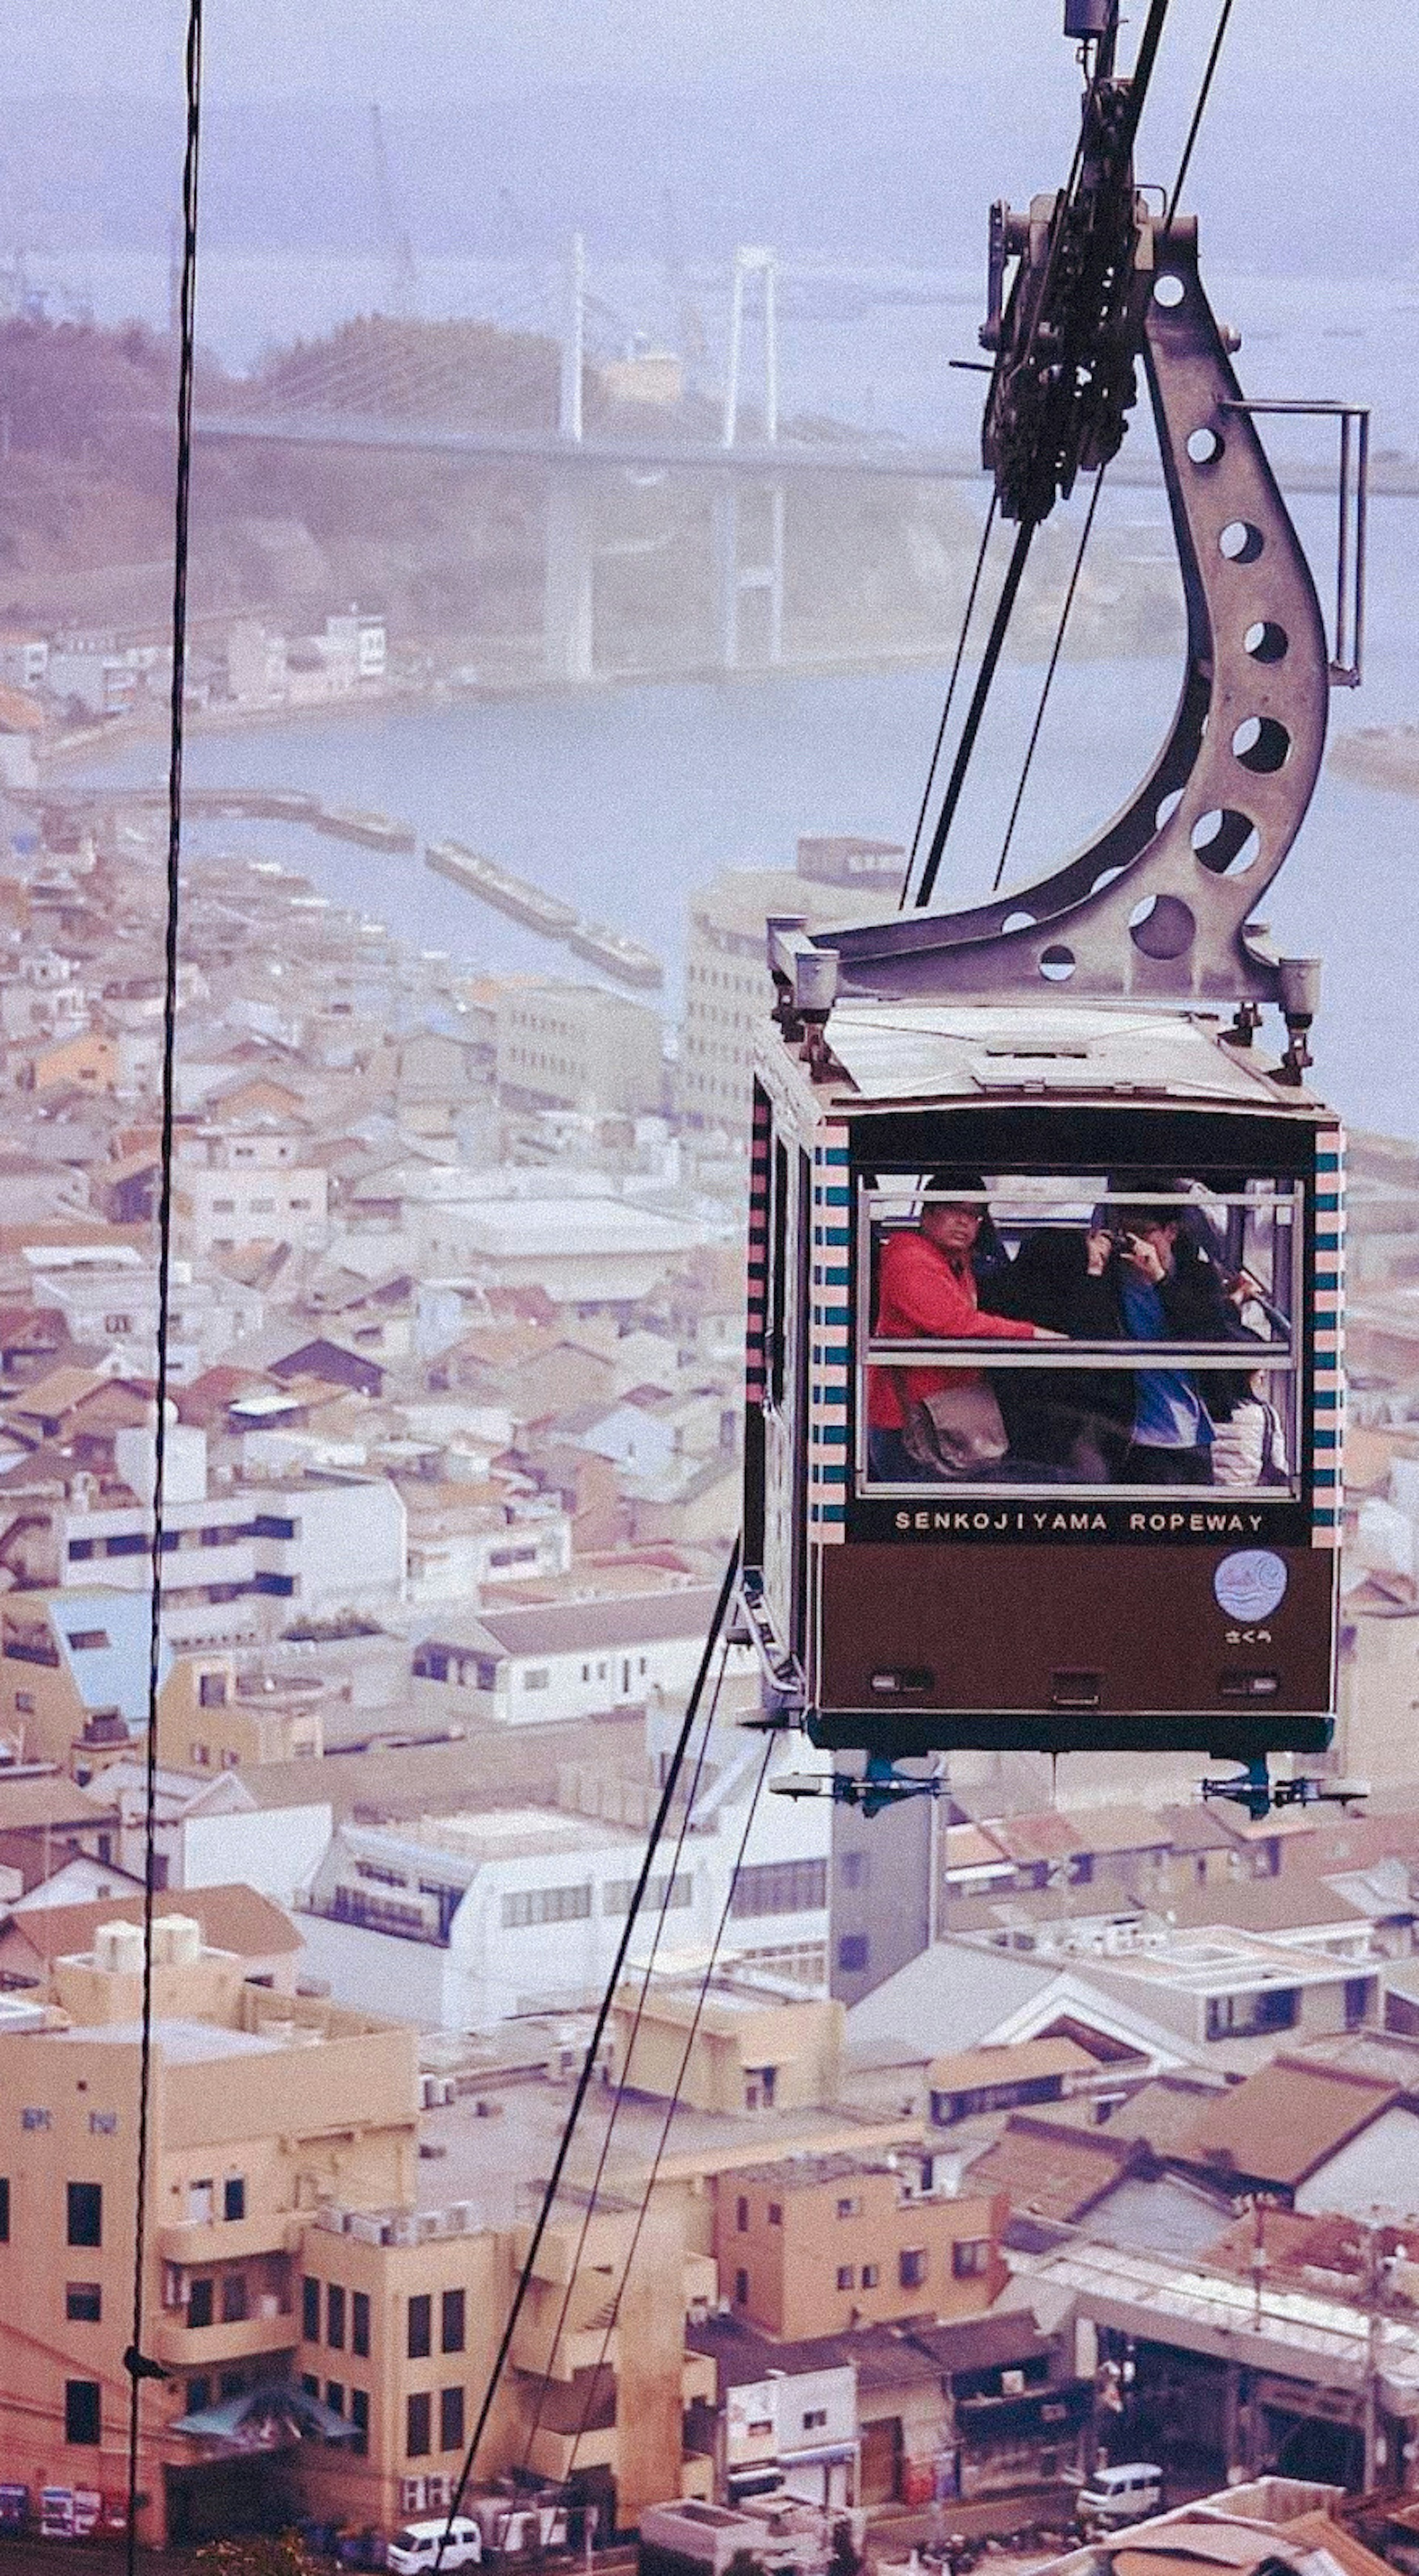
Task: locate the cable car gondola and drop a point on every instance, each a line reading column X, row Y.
column 1044, row 1380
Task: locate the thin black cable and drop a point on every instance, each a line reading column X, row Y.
column 137, row 2366
column 1052, row 667
column 603, row 2015
column 1198, row 112
column 950, row 694
column 995, row 643
column 594, row 2189
column 673, row 2104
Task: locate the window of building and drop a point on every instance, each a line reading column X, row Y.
column 234, row 2307
column 335, row 2396
column 760, row 2087
column 360, row 2418
column 81, row 2412
column 1247, row 2016
column 912, row 2267
column 451, row 2322
column 870, row 2276
column 83, row 2302
column 537, row 1677
column 846, row 2276
column 310, row 2310
column 852, row 1951
column 970, row 2257
column 775, row 2213
column 4, row 2209
column 450, row 2419
column 234, row 2196
column 199, row 2303
column 335, row 2316
column 310, row 2384
column 85, row 2213
column 212, row 1687
column 780, row 1887
column 420, row 2338
column 360, row 2323
column 814, row 2419
column 418, row 2425
column 741, row 2289
column 199, row 2396
column 741, row 2213
column 663, row 1894
column 528, row 1905
column 32, row 2117
column 849, row 2207
column 1357, row 2001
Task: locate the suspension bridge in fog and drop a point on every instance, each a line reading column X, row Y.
column 400, row 387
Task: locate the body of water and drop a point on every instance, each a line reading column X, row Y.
column 626, row 800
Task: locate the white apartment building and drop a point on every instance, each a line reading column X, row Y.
column 360, row 637
column 452, row 1560
column 572, row 1046
column 727, row 985
column 24, row 660
column 317, row 1545
column 231, row 1202
column 458, row 1921
column 549, row 1661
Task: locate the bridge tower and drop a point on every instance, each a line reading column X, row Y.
column 749, row 516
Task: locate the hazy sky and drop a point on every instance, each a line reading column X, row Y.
column 400, row 47
column 1309, row 130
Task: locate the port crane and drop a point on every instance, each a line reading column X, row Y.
column 1052, row 1117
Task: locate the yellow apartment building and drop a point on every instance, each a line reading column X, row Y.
column 74, row 1690
column 811, row 2245
column 327, row 2340
column 735, row 2049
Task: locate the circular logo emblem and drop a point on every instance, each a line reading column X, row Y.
column 1250, row 1584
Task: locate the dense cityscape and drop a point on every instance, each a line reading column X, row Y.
column 451, row 2109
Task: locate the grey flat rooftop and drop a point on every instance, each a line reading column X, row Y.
column 183, row 2043
column 912, row 1050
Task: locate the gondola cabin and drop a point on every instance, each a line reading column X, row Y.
column 1044, row 1382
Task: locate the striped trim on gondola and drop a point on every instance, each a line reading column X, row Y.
column 756, row 1318
column 1328, row 1318
column 830, row 1335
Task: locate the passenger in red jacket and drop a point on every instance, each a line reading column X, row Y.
column 927, row 1292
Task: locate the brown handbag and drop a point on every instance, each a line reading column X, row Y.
column 956, row 1433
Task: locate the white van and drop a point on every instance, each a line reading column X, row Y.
column 414, row 2551
column 1129, row 2492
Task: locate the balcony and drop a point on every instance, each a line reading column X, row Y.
column 200, row 2243
column 583, row 2347
column 200, row 2347
column 559, row 2455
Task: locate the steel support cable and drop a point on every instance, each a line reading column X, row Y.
column 995, row 644
column 954, row 675
column 594, row 2191
column 136, row 2363
column 1199, row 111
column 1052, row 666
column 673, row 2104
column 553, row 2183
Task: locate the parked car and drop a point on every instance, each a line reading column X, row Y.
column 414, row 2551
column 1126, row 2492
